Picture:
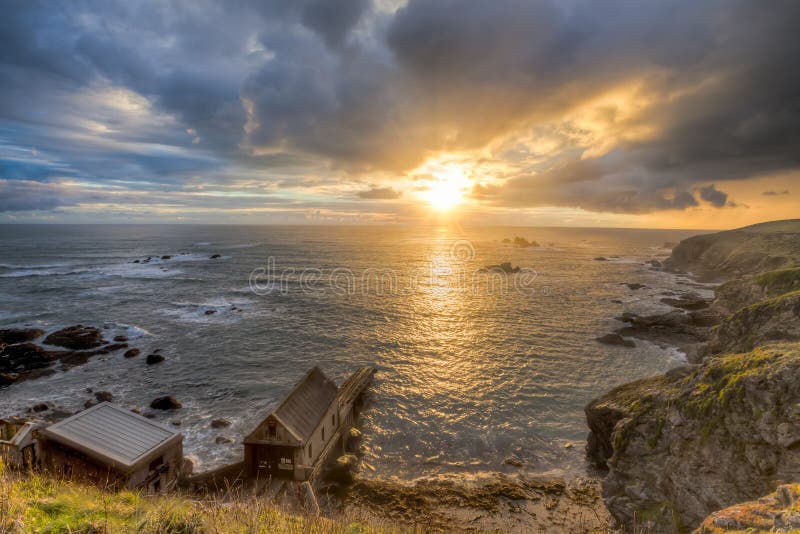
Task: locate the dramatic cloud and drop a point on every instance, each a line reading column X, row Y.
column 711, row 195
column 616, row 106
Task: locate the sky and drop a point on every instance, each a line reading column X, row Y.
column 618, row 113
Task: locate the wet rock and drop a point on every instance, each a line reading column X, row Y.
column 512, row 461
column 166, row 403
column 175, row 423
column 215, row 256
column 76, row 337
column 136, row 261
column 38, row 408
column 655, row 264
column 343, row 469
column 686, row 302
column 223, row 440
column 615, row 339
column 220, row 423
column 153, row 359
column 103, row 396
column 108, row 349
column 19, row 335
column 166, row 257
column 210, row 312
column 600, row 258
column 120, row 339
column 89, row 403
column 132, row 353
column 504, row 267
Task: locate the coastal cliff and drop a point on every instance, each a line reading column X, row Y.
column 702, row 437
column 735, row 253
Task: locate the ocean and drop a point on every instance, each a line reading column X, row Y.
column 474, row 368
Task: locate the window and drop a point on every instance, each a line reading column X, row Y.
column 155, row 464
column 323, row 434
column 309, row 450
column 272, row 429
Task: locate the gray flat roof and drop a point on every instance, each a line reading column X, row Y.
column 112, row 434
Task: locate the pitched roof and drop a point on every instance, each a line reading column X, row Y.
column 112, row 434
column 307, row 404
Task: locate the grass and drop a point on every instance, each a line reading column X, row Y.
column 36, row 503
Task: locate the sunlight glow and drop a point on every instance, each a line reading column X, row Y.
column 446, row 189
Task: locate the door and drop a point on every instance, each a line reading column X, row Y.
column 276, row 461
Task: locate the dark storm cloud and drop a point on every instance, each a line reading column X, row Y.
column 346, row 87
column 380, row 193
column 713, row 196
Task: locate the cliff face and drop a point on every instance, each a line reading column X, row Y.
column 771, row 320
column 699, row 438
column 749, row 250
column 682, row 445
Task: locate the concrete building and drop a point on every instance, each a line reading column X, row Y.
column 293, row 436
column 113, row 446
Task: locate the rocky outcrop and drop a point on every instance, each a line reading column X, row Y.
column 682, row 445
column 76, row 337
column 735, row 253
column 776, row 512
column 737, row 294
column 19, row 335
column 24, row 360
column 776, row 319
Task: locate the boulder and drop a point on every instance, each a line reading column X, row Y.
column 77, row 337
column 615, row 339
column 222, row 440
column 220, row 423
column 19, row 335
column 120, row 339
column 166, row 403
column 38, row 408
column 103, row 396
column 132, row 353
column 153, row 359
column 343, row 470
column 166, row 257
column 215, row 256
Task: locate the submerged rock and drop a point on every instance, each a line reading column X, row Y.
column 215, row 256
column 220, row 423
column 153, row 359
column 76, row 337
column 222, row 440
column 504, row 267
column 132, row 353
column 615, row 339
column 166, row 403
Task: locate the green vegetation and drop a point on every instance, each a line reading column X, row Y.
column 780, row 281
column 37, row 503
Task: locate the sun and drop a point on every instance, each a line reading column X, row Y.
column 446, row 189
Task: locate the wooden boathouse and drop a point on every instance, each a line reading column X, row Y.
column 295, row 439
column 113, row 446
